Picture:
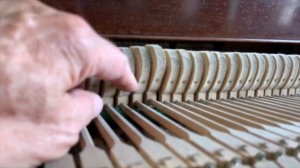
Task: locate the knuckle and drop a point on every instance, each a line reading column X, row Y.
column 75, row 23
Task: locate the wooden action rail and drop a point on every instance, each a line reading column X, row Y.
column 197, row 109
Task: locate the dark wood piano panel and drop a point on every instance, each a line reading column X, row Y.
column 248, row 21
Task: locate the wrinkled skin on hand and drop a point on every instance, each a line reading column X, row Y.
column 44, row 55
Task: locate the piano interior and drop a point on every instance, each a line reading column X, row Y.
column 221, row 99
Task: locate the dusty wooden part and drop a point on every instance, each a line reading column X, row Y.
column 287, row 67
column 279, row 63
column 275, row 105
column 175, row 109
column 270, row 68
column 250, row 154
column 250, row 112
column 195, row 77
column 293, row 98
column 108, row 92
column 158, row 68
column 184, row 75
column 296, row 97
column 253, row 67
column 210, row 109
column 122, row 154
column 212, row 116
column 63, row 162
column 153, row 151
column 291, row 147
column 273, row 115
column 293, row 114
column 286, row 99
column 123, row 96
column 93, row 85
column 284, row 130
column 142, row 71
column 224, row 156
column 283, row 100
column 261, row 68
column 297, row 91
column 90, row 155
column 185, row 151
column 273, row 151
column 209, row 73
column 266, row 164
column 232, row 70
column 245, row 119
column 243, row 69
column 295, row 76
column 281, row 104
column 294, row 70
column 219, row 78
column 297, row 83
column 288, row 161
column 171, row 75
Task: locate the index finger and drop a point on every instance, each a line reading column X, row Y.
column 108, row 63
column 113, row 66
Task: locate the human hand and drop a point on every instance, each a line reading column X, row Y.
column 44, row 55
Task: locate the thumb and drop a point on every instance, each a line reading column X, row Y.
column 78, row 108
column 83, row 106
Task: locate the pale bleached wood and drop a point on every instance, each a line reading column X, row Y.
column 279, row 67
column 122, row 154
column 295, row 69
column 123, row 96
column 142, row 71
column 252, row 71
column 195, row 77
column 244, row 118
column 242, row 73
column 188, row 153
column 296, row 84
column 261, row 120
column 287, row 71
column 290, row 146
column 91, row 156
column 63, row 162
column 153, row 151
column 250, row 154
column 278, row 117
column 157, row 71
column 231, row 73
column 184, row 75
column 219, row 78
column 222, row 154
column 209, row 73
column 261, row 69
column 270, row 66
column 171, row 75
column 272, row 150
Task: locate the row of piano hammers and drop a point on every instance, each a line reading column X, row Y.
column 177, row 74
column 196, row 109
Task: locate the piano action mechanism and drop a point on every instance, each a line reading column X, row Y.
column 196, row 109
